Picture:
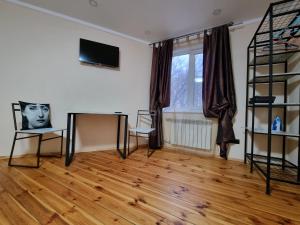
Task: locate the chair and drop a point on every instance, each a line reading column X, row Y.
column 144, row 128
column 33, row 133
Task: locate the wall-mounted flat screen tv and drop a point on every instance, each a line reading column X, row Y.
column 98, row 54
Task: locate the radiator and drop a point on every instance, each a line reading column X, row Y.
column 191, row 133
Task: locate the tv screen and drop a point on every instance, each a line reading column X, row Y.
column 97, row 53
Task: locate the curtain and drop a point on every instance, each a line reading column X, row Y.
column 218, row 90
column 160, row 85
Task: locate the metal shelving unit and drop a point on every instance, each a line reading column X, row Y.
column 277, row 77
column 268, row 47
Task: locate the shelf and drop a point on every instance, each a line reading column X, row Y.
column 277, row 77
column 276, row 133
column 281, row 52
column 275, row 161
column 263, row 38
column 279, row 30
column 279, row 23
column 284, row 17
column 267, row 64
column 275, row 105
column 278, row 58
column 288, row 174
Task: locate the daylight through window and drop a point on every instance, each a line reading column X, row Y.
column 186, row 82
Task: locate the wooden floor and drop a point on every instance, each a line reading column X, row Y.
column 168, row 188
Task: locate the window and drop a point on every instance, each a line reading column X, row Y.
column 186, row 82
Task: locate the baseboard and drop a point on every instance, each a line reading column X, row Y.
column 50, row 153
column 105, row 148
column 28, row 155
column 168, row 148
column 189, row 150
column 4, row 157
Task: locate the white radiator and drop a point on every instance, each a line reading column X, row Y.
column 194, row 133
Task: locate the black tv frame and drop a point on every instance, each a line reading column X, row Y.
column 98, row 54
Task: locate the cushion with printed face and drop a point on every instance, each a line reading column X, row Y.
column 35, row 115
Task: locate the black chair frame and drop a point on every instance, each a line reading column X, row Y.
column 142, row 113
column 16, row 108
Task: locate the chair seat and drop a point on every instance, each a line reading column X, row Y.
column 40, row 131
column 142, row 130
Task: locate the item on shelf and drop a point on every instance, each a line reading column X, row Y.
column 277, row 124
column 262, row 99
column 286, row 38
column 281, row 44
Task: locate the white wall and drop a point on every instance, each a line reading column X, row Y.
column 39, row 63
column 293, row 112
column 240, row 39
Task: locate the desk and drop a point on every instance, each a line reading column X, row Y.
column 71, row 124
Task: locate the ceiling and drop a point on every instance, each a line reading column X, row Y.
column 154, row 20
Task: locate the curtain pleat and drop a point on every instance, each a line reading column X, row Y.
column 218, row 92
column 160, row 85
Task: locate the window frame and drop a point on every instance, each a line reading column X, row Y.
column 191, row 80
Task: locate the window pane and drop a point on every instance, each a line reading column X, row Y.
column 186, row 83
column 179, row 82
column 198, row 82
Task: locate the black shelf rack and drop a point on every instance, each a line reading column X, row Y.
column 277, row 77
column 269, row 47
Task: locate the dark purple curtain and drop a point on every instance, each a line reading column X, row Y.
column 218, row 91
column 160, row 87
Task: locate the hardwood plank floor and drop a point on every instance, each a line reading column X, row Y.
column 167, row 188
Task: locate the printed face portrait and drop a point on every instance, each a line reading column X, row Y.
column 37, row 115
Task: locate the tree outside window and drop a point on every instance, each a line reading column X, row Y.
column 186, row 83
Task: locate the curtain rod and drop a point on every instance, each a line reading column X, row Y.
column 230, row 24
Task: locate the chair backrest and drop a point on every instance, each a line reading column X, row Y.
column 145, row 118
column 15, row 108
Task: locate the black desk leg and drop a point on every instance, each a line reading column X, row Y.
column 73, row 137
column 118, row 132
column 125, row 136
column 70, row 149
column 67, row 160
column 122, row 154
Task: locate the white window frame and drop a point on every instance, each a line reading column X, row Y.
column 191, row 76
